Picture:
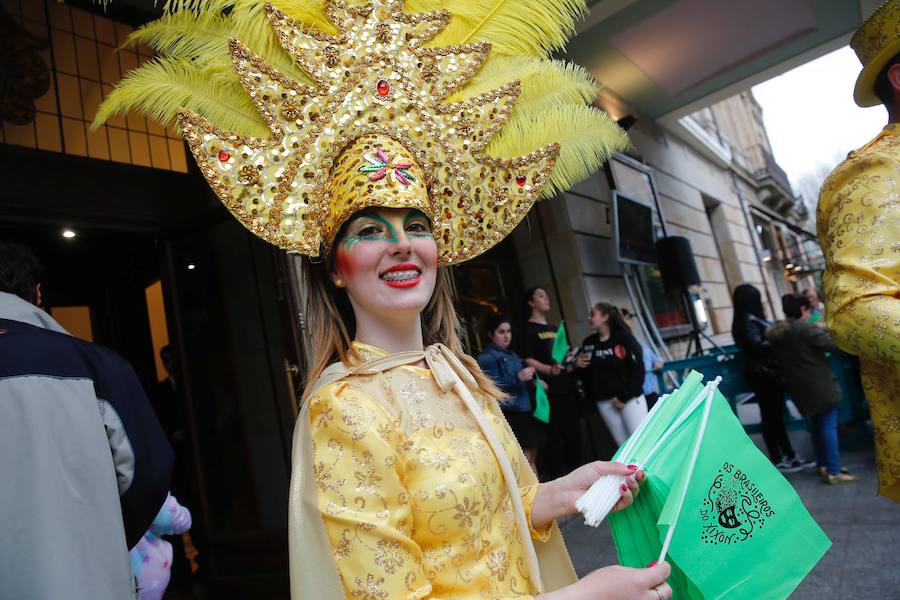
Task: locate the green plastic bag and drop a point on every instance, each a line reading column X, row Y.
column 541, row 402
column 739, row 530
column 560, row 344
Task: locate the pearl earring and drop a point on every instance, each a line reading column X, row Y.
column 339, row 283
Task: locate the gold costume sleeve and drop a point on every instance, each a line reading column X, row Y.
column 859, row 228
column 364, row 504
column 528, row 494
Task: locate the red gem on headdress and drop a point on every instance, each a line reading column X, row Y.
column 223, row 156
column 521, row 179
column 383, row 87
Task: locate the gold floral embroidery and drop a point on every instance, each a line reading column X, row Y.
column 858, row 220
column 370, row 589
column 439, row 486
column 497, row 564
column 388, row 555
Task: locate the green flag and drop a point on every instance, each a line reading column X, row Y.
column 560, row 344
column 541, row 402
column 740, row 530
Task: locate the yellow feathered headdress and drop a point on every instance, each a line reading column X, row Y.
column 300, row 113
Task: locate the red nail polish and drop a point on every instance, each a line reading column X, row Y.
column 632, row 467
column 623, row 487
column 651, row 564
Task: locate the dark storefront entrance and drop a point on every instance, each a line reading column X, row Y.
column 227, row 314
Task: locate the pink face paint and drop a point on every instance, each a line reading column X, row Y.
column 344, row 262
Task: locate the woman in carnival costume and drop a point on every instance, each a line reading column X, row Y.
column 386, row 143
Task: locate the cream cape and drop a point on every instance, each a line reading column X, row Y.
column 313, row 571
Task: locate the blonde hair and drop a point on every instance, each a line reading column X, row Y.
column 333, row 325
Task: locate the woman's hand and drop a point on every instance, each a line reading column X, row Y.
column 557, row 498
column 618, row 583
column 526, row 374
column 556, row 369
column 618, row 404
column 583, row 360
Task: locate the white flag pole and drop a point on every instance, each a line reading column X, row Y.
column 695, row 451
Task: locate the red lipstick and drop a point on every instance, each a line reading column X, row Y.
column 402, row 283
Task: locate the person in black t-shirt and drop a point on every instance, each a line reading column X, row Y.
column 612, row 369
column 562, row 452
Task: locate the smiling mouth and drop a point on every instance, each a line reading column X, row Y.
column 402, row 276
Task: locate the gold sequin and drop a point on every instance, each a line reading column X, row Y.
column 858, row 223
column 292, row 205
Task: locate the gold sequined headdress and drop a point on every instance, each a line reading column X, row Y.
column 367, row 110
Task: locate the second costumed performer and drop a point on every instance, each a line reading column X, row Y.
column 387, row 143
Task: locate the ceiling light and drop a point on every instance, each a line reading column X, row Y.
column 789, row 266
column 68, row 234
column 191, row 267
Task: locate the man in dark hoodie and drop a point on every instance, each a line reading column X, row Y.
column 800, row 348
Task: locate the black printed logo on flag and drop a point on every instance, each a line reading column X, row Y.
column 734, row 508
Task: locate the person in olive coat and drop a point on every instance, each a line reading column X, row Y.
column 800, row 348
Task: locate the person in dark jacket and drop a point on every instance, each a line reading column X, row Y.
column 562, row 453
column 800, row 348
column 611, row 366
column 509, row 373
column 763, row 376
column 85, row 463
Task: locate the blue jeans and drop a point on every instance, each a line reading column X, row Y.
column 825, row 439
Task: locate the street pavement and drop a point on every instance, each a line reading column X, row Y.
column 864, row 529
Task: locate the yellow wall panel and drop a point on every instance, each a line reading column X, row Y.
column 177, row 156
column 118, row 145
column 64, row 52
column 83, row 23
column 98, row 145
column 87, row 57
column 60, row 18
column 109, row 64
column 69, row 96
column 159, row 329
column 73, row 134
column 140, row 148
column 48, row 135
column 47, row 102
column 75, row 319
column 159, row 153
column 19, row 135
column 106, row 30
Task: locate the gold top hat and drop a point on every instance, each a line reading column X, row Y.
column 875, row 44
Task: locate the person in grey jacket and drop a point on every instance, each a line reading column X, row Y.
column 800, row 348
column 85, row 464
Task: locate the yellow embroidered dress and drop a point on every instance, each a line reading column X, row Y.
column 412, row 497
column 858, row 223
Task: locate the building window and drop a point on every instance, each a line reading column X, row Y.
column 80, row 59
column 634, row 179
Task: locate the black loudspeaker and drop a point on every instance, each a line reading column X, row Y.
column 676, row 263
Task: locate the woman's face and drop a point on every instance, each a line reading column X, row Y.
column 596, row 319
column 540, row 301
column 387, row 260
column 502, row 336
